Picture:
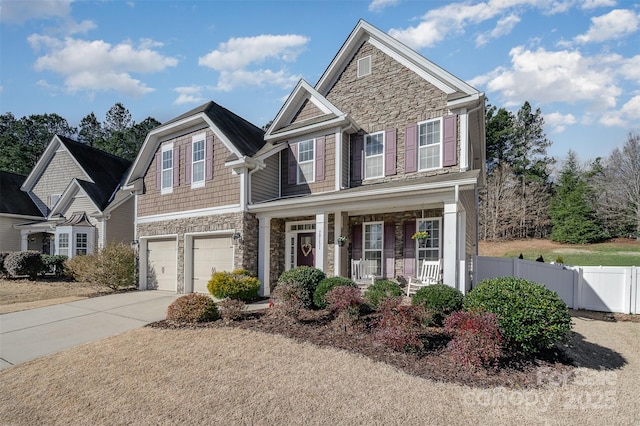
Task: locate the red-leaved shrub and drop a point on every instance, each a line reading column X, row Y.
column 400, row 325
column 477, row 340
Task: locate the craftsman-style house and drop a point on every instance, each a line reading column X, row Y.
column 386, row 144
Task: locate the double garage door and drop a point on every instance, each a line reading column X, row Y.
column 209, row 254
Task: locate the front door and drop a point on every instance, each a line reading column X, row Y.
column 306, row 249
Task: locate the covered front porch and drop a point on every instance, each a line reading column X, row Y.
column 378, row 222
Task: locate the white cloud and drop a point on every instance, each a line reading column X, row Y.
column 592, row 4
column 503, row 27
column 542, row 76
column 614, row 25
column 378, row 5
column 558, row 122
column 19, row 11
column 189, row 95
column 235, row 58
column 99, row 66
column 627, row 116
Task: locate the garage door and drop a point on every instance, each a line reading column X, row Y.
column 209, row 255
column 162, row 271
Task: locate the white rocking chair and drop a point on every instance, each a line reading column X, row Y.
column 429, row 274
column 361, row 272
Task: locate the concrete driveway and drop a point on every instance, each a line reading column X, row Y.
column 30, row 334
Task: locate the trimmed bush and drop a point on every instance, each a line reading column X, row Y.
column 476, row 338
column 286, row 300
column 192, row 308
column 400, row 326
column 440, row 299
column 232, row 309
column 326, row 285
column 24, row 263
column 113, row 266
column 531, row 317
column 305, row 277
column 54, row 264
column 234, row 285
column 3, row 270
column 380, row 290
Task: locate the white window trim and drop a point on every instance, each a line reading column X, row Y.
column 439, row 166
column 364, row 246
column 300, row 177
column 199, row 138
column 165, row 148
column 365, row 157
column 60, row 246
column 429, row 219
column 77, row 245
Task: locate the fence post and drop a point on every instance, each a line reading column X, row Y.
column 633, row 291
column 579, row 283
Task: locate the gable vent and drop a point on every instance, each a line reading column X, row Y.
column 364, row 66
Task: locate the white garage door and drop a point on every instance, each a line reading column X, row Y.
column 162, row 271
column 209, row 255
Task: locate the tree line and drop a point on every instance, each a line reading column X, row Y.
column 585, row 203
column 23, row 140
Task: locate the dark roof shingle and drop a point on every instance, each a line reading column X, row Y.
column 12, row 199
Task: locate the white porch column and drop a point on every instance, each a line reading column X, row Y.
column 337, row 250
column 24, row 240
column 264, row 255
column 322, row 228
column 450, row 245
column 463, row 275
column 338, row 170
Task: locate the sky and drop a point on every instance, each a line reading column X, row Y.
column 576, row 60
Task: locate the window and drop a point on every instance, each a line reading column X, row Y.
column 429, row 145
column 364, row 66
column 81, row 243
column 197, row 158
column 167, row 168
column 306, row 163
column 63, row 244
column 373, row 246
column 374, row 155
column 428, row 248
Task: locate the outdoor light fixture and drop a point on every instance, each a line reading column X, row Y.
column 237, row 236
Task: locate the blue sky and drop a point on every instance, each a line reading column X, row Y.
column 578, row 60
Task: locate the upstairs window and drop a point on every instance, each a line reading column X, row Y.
column 197, row 159
column 429, row 145
column 306, row 163
column 374, row 155
column 167, row 169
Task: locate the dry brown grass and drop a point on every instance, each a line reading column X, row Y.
column 20, row 294
column 231, row 376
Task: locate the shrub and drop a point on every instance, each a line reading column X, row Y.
column 327, row 285
column 441, row 299
column 343, row 298
column 113, row 266
column 54, row 264
column 234, row 285
column 400, row 325
column 307, row 278
column 24, row 263
column 232, row 309
column 3, row 255
column 286, row 300
column 380, row 290
column 531, row 317
column 192, row 308
column 476, row 341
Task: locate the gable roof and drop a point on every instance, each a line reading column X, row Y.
column 458, row 92
column 283, row 126
column 12, row 199
column 241, row 137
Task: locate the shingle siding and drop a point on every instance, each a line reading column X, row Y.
column 56, row 177
column 328, row 184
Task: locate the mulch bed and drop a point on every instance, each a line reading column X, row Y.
column 432, row 362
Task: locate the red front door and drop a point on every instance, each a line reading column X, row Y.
column 306, row 249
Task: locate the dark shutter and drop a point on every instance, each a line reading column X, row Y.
column 188, row 161
column 320, row 142
column 356, row 242
column 208, row 155
column 159, row 170
column 176, row 166
column 409, row 252
column 411, row 148
column 450, row 140
column 389, row 250
column 390, row 152
column 293, row 164
column 356, row 170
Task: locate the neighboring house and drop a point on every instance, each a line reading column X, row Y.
column 77, row 191
column 384, row 145
column 16, row 207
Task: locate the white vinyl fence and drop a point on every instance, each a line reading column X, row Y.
column 597, row 288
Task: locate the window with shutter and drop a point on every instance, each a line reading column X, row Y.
column 430, row 145
column 374, row 155
column 166, row 169
column 197, row 160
